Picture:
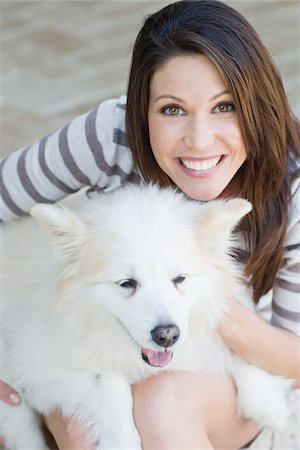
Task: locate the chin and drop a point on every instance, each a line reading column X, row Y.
column 201, row 194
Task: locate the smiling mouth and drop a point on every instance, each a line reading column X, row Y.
column 199, row 166
column 157, row 358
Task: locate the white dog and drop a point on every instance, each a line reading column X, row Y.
column 97, row 299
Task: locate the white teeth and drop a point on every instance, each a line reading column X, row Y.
column 200, row 165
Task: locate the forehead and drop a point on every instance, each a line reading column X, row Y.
column 185, row 74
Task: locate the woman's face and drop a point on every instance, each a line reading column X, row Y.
column 194, row 130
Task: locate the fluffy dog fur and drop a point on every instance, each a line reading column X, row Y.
column 83, row 293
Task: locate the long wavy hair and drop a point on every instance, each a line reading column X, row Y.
column 270, row 132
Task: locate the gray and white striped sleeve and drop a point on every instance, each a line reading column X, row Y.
column 286, row 292
column 90, row 151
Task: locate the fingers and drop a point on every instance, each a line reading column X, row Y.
column 69, row 433
column 9, row 395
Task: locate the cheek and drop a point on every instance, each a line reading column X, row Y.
column 157, row 140
column 163, row 137
column 240, row 147
column 237, row 136
column 154, row 136
column 232, row 134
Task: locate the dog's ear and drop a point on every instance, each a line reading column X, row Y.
column 64, row 230
column 58, row 222
column 217, row 220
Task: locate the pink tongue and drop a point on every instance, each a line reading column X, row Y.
column 158, row 359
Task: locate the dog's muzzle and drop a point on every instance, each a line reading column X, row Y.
column 164, row 336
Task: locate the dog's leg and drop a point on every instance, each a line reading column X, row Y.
column 261, row 396
column 103, row 403
column 19, row 425
column 115, row 410
column 20, row 428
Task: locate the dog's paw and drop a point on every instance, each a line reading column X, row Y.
column 131, row 443
column 119, row 433
column 107, row 437
column 272, row 412
column 20, row 428
column 106, row 411
column 263, row 397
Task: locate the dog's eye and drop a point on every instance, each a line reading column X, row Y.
column 128, row 284
column 179, row 279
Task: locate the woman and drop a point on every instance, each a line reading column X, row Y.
column 205, row 111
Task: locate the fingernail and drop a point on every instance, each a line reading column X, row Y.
column 15, row 399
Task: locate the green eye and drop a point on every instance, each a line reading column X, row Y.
column 225, row 107
column 172, row 110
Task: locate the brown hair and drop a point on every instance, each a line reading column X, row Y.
column 270, row 131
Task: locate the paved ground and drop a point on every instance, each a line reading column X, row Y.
column 60, row 58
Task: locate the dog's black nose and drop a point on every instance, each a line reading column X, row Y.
column 165, row 335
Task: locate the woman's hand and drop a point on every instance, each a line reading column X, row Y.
column 233, row 331
column 9, row 395
column 68, row 433
column 273, row 349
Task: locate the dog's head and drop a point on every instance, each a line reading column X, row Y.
column 151, row 259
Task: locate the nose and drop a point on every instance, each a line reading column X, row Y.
column 165, row 335
column 200, row 133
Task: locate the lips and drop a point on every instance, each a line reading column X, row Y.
column 156, row 358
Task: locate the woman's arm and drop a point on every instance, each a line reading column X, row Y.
column 91, row 150
column 273, row 349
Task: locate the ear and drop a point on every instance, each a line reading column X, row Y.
column 64, row 229
column 217, row 220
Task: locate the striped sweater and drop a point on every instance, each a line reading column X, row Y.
column 92, row 151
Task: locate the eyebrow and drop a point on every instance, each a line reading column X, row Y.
column 178, row 99
column 220, row 94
